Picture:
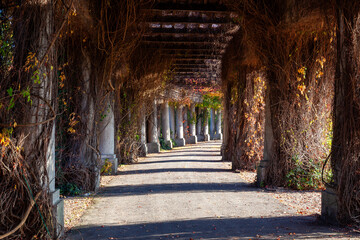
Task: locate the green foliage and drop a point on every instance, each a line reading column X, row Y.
column 163, row 144
column 6, row 42
column 192, row 119
column 305, row 176
column 69, row 189
column 210, row 101
column 106, row 168
column 173, row 143
column 26, row 94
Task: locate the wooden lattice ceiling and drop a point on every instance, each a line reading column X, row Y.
column 193, row 33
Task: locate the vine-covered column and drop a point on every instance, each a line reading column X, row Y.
column 212, row 123
column 153, row 140
column 144, row 150
column 179, row 140
column 341, row 201
column 107, row 137
column 172, row 120
column 268, row 143
column 185, row 120
column 166, row 123
column 192, row 137
column 199, row 125
column 218, row 135
column 206, row 125
column 35, row 64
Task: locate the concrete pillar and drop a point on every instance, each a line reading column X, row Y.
column 166, row 123
column 225, row 135
column 218, row 135
column 192, row 137
column 39, row 111
column 329, row 206
column 87, row 154
column 179, row 140
column 153, row 145
column 200, row 137
column 107, row 138
column 56, row 201
column 172, row 121
column 143, row 132
column 186, row 124
column 212, row 123
column 206, row 125
column 268, row 143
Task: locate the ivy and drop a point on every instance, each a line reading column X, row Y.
column 210, row 101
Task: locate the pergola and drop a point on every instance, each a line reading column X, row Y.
column 193, row 34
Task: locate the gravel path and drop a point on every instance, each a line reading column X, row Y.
column 188, row 193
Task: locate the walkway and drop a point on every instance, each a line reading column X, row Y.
column 188, row 193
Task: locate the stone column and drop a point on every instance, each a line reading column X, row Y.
column 268, row 143
column 56, row 201
column 193, row 137
column 218, row 135
column 107, row 138
column 179, row 140
column 200, row 137
column 185, row 116
column 39, row 111
column 212, row 123
column 87, row 154
column 143, row 132
column 153, row 145
column 206, row 126
column 172, row 121
column 166, row 123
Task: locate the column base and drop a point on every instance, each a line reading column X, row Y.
column 58, row 213
column 218, row 136
column 153, row 147
column 143, row 150
column 192, row 140
column 106, row 161
column 261, row 173
column 169, row 143
column 329, row 206
column 200, row 138
column 96, row 179
column 206, row 137
column 180, row 142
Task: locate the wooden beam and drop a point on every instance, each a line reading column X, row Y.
column 216, row 40
column 201, row 61
column 182, row 42
column 195, row 66
column 187, row 21
column 218, row 30
column 202, row 58
column 196, row 51
column 208, row 8
column 191, row 34
column 198, row 77
column 199, row 45
column 182, row 52
column 194, row 71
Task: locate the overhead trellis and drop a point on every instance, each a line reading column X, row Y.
column 193, row 34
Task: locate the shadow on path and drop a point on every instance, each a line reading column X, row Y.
column 180, row 161
column 188, row 155
column 162, row 170
column 145, row 189
column 298, row 227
